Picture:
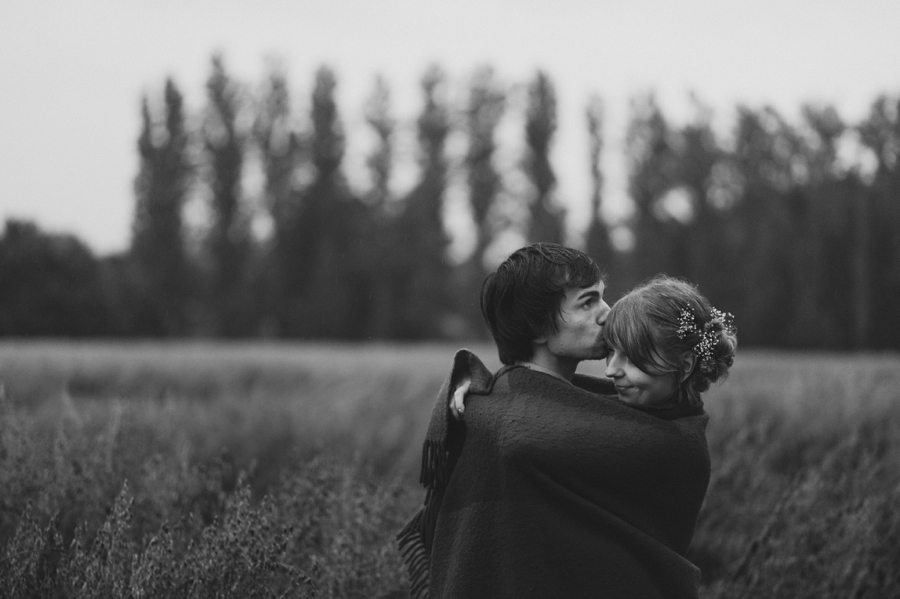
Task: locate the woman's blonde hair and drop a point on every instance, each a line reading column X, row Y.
column 659, row 321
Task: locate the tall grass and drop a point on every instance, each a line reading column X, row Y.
column 194, row 470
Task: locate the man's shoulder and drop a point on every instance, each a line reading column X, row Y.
column 594, row 384
column 523, row 381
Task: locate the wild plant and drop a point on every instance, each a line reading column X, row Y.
column 186, row 473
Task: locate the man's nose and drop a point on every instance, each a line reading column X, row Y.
column 603, row 312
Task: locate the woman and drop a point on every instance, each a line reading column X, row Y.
column 667, row 344
column 581, row 494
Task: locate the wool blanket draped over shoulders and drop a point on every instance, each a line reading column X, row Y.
column 552, row 489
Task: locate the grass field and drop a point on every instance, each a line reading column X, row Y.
column 193, row 469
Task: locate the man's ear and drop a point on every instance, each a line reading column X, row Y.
column 688, row 361
column 542, row 338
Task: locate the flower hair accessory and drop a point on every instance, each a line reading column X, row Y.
column 709, row 334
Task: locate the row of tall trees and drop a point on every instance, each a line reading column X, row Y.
column 802, row 244
column 772, row 223
column 337, row 263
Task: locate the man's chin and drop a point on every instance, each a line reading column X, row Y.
column 599, row 354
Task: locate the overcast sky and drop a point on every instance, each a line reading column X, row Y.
column 72, row 75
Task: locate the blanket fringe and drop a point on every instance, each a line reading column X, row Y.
column 416, row 537
column 435, row 468
column 415, row 556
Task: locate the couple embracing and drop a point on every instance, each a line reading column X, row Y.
column 543, row 482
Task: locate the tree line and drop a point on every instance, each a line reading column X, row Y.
column 772, row 221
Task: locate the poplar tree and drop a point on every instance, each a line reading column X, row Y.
column 705, row 232
column 880, row 132
column 381, row 160
column 281, row 152
column 422, row 298
column 329, row 233
column 381, row 258
column 597, row 243
column 228, row 239
column 485, row 108
column 763, row 154
column 547, row 218
column 651, row 165
column 822, row 280
column 157, row 247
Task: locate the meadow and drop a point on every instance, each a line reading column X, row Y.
column 232, row 470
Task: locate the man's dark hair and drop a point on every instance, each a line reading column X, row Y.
column 521, row 301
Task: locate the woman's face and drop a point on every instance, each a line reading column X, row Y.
column 636, row 386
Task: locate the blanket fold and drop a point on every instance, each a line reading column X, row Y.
column 416, row 537
column 554, row 489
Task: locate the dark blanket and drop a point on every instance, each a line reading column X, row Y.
column 550, row 489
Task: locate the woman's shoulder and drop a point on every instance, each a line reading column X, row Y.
column 674, row 411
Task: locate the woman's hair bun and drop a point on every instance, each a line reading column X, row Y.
column 722, row 358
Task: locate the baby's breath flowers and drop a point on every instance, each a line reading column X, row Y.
column 709, row 334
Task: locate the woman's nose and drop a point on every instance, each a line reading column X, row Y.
column 613, row 365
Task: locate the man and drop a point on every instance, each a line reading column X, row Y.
column 544, row 306
column 550, row 487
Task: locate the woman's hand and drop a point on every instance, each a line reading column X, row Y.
column 458, row 399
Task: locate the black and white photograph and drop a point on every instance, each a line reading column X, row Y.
column 451, row 299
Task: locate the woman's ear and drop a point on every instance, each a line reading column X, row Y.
column 688, row 361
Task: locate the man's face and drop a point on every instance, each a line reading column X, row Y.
column 579, row 334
